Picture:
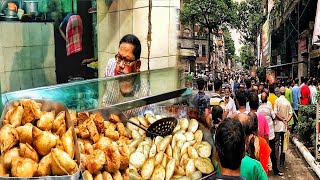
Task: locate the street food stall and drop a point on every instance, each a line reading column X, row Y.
column 103, row 135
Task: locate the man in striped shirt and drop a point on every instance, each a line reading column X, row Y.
column 266, row 109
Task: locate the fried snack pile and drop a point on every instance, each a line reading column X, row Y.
column 35, row 143
column 103, row 146
column 181, row 155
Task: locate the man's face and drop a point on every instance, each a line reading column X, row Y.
column 227, row 93
column 260, row 87
column 188, row 84
column 126, row 52
column 126, row 86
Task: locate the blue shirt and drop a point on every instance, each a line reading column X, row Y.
column 296, row 95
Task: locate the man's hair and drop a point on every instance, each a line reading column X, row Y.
column 227, row 87
column 248, row 83
column 253, row 100
column 271, row 88
column 200, row 83
column 288, row 83
column 246, row 122
column 251, row 147
column 217, row 84
column 241, row 97
column 132, row 39
column 230, row 143
column 216, row 113
column 314, row 82
column 264, row 99
column 253, row 118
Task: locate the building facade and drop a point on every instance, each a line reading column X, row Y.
column 291, row 31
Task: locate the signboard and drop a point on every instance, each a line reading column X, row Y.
column 303, row 45
column 266, row 43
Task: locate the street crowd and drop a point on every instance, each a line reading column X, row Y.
column 266, row 114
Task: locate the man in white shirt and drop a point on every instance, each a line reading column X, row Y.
column 313, row 91
column 232, row 84
column 125, row 62
column 266, row 109
column 230, row 106
column 283, row 111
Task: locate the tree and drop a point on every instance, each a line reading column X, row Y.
column 210, row 14
column 229, row 42
column 246, row 56
column 250, row 21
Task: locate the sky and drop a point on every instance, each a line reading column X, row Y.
column 236, row 37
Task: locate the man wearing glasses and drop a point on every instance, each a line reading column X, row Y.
column 128, row 58
column 126, row 61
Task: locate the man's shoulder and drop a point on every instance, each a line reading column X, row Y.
column 222, row 177
column 254, row 165
column 249, row 162
column 112, row 60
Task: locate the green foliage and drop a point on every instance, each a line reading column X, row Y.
column 208, row 13
column 250, row 20
column 307, row 124
column 229, row 43
column 318, row 95
column 246, row 56
column 236, row 58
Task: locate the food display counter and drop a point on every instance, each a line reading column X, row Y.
column 108, row 144
column 148, row 88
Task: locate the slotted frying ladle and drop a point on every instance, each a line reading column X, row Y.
column 163, row 127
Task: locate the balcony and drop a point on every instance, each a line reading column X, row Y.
column 281, row 12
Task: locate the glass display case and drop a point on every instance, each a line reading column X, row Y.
column 123, row 92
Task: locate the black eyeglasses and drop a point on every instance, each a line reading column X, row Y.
column 126, row 62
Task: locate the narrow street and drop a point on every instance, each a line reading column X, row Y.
column 295, row 167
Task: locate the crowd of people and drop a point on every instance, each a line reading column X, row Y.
column 267, row 114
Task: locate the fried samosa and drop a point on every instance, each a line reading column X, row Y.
column 44, row 141
column 44, row 168
column 46, row 120
column 23, row 167
column 9, row 137
column 25, row 133
column 26, row 151
column 68, row 143
column 64, row 161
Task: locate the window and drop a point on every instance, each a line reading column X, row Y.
column 203, row 50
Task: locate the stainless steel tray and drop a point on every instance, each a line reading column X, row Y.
column 57, row 107
column 178, row 111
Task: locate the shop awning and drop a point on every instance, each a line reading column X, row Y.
column 286, row 64
column 187, row 52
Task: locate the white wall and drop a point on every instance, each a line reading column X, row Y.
column 27, row 55
column 122, row 17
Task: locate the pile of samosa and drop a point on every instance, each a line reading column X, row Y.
column 35, row 143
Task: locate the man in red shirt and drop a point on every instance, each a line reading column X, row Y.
column 305, row 93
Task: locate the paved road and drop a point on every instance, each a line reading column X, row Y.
column 295, row 167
